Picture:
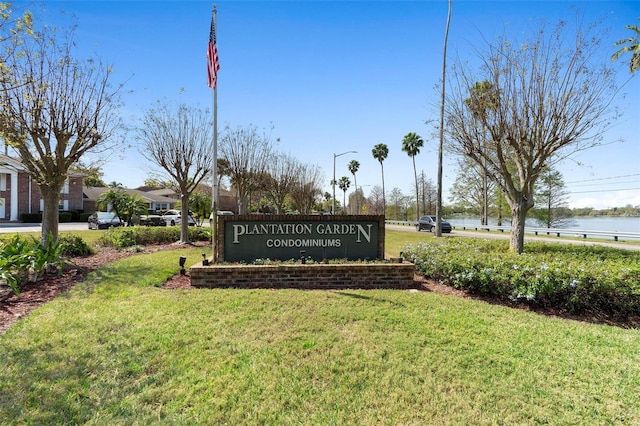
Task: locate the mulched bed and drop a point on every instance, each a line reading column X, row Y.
column 32, row 295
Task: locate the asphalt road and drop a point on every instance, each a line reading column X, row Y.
column 505, row 236
column 6, row 228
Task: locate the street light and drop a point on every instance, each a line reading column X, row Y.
column 333, row 201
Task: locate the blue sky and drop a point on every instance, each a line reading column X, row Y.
column 335, row 76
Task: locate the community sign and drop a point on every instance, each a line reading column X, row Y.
column 247, row 238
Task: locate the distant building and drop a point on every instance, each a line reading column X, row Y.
column 20, row 195
column 152, row 199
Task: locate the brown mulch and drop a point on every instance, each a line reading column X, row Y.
column 32, row 295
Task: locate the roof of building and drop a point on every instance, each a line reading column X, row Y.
column 92, row 193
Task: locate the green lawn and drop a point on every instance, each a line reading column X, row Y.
column 119, row 350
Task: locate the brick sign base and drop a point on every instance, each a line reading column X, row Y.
column 316, row 276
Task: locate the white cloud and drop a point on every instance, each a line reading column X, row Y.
column 607, row 200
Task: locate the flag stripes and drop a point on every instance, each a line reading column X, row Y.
column 212, row 56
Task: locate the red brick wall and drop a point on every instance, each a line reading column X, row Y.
column 316, row 276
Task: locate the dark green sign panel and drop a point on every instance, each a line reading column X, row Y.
column 248, row 240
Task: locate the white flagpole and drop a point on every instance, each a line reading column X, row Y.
column 214, row 168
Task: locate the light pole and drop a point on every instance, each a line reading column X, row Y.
column 333, row 182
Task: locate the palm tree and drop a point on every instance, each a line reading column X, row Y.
column 633, row 48
column 354, row 165
column 111, row 198
column 411, row 144
column 344, row 183
column 380, row 153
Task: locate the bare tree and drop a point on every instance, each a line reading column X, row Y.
column 282, row 171
column 306, row 191
column 178, row 139
column 376, row 198
column 471, row 189
column 548, row 100
column 15, row 29
column 398, row 204
column 428, row 193
column 247, row 153
column 55, row 109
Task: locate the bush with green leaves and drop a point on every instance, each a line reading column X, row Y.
column 574, row 277
column 22, row 259
column 74, row 245
column 129, row 236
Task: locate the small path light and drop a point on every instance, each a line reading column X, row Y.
column 183, row 260
column 303, row 260
column 205, row 261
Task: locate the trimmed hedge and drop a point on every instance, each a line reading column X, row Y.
column 573, row 277
column 63, row 217
column 129, row 236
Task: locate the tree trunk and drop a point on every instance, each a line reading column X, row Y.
column 50, row 216
column 485, row 199
column 184, row 212
column 519, row 211
column 415, row 175
column 355, row 183
column 384, row 199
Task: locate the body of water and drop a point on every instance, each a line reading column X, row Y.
column 602, row 223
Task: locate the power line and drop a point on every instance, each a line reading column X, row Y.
column 603, row 190
column 606, row 183
column 605, row 178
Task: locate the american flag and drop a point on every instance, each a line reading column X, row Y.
column 212, row 57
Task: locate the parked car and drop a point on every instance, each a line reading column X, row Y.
column 429, row 223
column 151, row 219
column 103, row 220
column 174, row 217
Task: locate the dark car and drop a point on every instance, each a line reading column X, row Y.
column 429, row 223
column 103, row 220
column 150, row 219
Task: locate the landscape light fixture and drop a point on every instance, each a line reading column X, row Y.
column 183, row 260
column 333, row 182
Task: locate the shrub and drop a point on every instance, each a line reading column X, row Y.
column 31, row 217
column 129, row 236
column 22, row 259
column 577, row 278
column 73, row 245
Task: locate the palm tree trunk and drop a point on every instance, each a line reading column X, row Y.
column 415, row 175
column 384, row 198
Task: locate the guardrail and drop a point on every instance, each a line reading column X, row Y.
column 538, row 231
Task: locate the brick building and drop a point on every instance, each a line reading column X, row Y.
column 20, row 195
